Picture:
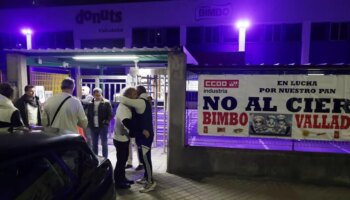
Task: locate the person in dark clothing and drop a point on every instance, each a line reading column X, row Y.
column 29, row 107
column 144, row 138
column 10, row 117
column 86, row 99
column 99, row 114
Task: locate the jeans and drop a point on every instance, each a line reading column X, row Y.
column 101, row 132
column 87, row 133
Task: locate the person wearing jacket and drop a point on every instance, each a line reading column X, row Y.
column 10, row 116
column 29, row 107
column 99, row 114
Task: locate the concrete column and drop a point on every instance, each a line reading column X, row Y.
column 183, row 35
column 17, row 72
column 305, row 43
column 176, row 97
column 78, row 81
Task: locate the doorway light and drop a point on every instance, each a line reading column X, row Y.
column 106, row 57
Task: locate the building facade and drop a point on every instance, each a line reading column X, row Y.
column 291, row 31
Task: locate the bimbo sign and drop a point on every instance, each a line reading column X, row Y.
column 213, row 11
column 85, row 16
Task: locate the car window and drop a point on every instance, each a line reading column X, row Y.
column 35, row 178
column 71, row 159
column 78, row 160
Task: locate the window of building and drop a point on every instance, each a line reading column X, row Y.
column 9, row 41
column 255, row 33
column 156, row 37
column 211, row 35
column 268, row 36
column 230, row 34
column 326, row 31
column 194, row 35
column 277, row 32
column 344, row 32
column 291, row 32
column 339, row 31
column 60, row 39
column 320, row 31
column 274, row 33
column 101, row 43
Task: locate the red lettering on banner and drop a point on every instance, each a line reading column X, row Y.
column 316, row 125
column 221, row 83
column 345, row 122
column 299, row 119
column 206, row 118
column 233, row 119
column 213, row 122
column 222, row 118
column 322, row 121
column 307, row 123
column 225, row 118
column 335, row 122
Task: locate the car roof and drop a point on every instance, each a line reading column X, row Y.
column 23, row 143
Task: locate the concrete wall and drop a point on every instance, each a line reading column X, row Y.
column 319, row 168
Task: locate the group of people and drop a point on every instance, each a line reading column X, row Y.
column 93, row 114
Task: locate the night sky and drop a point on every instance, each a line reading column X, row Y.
column 48, row 3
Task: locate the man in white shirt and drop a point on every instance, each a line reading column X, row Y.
column 70, row 115
column 123, row 129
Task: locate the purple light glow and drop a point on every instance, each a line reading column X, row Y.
column 26, row 31
column 242, row 24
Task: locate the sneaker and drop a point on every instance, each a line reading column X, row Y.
column 141, row 181
column 128, row 166
column 149, row 187
column 140, row 167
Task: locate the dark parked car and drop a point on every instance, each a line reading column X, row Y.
column 52, row 164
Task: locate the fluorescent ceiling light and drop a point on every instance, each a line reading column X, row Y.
column 106, row 58
column 320, row 74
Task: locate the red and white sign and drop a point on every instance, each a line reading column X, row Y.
column 286, row 106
